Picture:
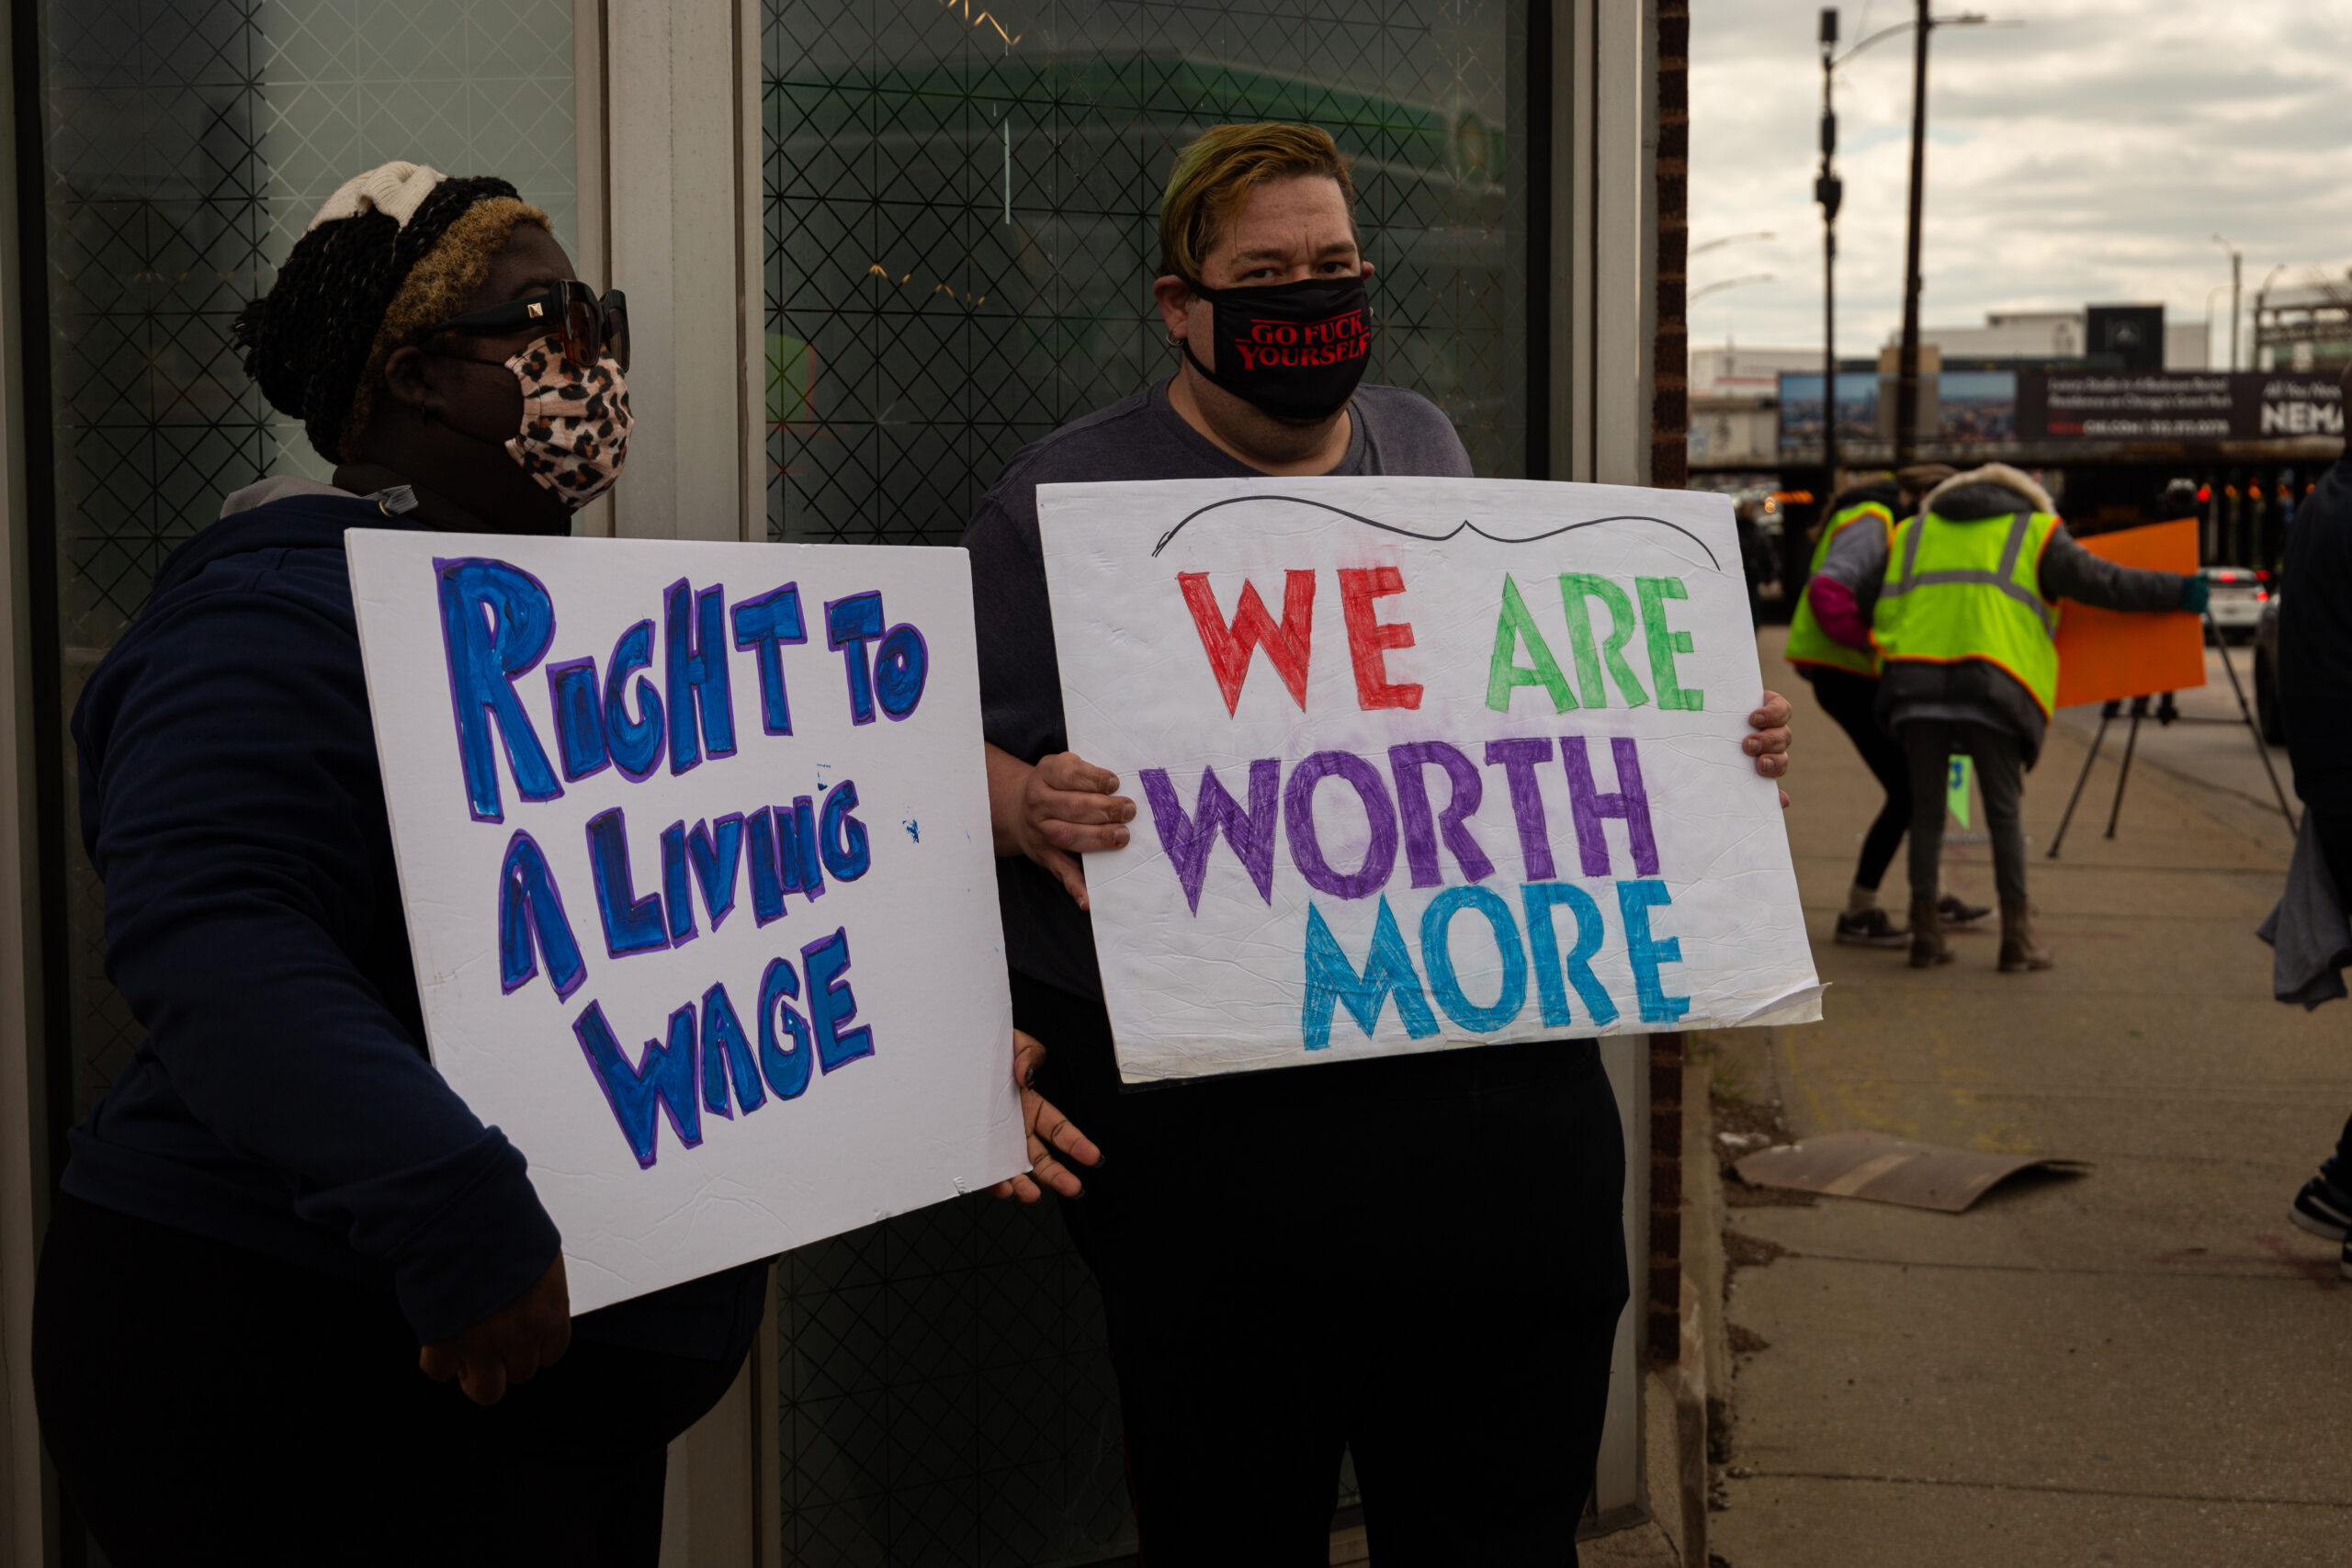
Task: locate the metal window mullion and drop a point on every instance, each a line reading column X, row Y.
column 671, row 193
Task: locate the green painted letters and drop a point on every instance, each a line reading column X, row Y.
column 1664, row 644
column 1575, row 587
column 1505, row 675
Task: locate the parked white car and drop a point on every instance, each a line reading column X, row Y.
column 2239, row 595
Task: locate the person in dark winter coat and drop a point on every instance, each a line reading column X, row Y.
column 2314, row 694
column 296, row 1303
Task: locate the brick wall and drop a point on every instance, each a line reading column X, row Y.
column 1670, row 396
column 1662, row 1290
column 1670, row 469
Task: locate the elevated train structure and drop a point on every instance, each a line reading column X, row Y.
column 2237, row 450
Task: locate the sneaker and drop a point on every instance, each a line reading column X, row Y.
column 1871, row 929
column 2323, row 1208
column 1957, row 915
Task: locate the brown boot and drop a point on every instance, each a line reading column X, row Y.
column 2020, row 953
column 1928, row 948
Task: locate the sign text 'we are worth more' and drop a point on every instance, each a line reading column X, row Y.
column 1419, row 763
column 693, row 842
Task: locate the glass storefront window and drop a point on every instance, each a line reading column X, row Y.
column 961, row 208
column 187, row 146
column 962, row 223
column 961, row 231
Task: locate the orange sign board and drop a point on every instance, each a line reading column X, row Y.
column 2107, row 654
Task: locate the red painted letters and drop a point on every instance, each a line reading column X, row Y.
column 1286, row 646
column 1368, row 640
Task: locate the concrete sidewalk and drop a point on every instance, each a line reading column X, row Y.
column 2147, row 1365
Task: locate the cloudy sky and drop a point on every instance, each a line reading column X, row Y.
column 2089, row 155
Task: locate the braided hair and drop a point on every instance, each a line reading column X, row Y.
column 358, row 287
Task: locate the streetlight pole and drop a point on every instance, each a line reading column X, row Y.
column 1906, row 387
column 1727, row 283
column 1830, row 191
column 1729, row 239
column 1826, row 190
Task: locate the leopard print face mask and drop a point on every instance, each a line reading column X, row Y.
column 575, row 422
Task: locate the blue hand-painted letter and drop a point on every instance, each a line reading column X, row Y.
column 831, row 1004
column 496, row 623
column 696, row 649
column 664, row 1076
column 767, row 623
column 530, row 906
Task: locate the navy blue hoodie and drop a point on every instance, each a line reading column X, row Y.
column 283, row 1101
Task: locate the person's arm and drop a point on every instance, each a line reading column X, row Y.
column 2070, row 571
column 1770, row 743
column 240, row 836
column 1844, row 593
column 1054, row 1142
column 1053, row 811
column 1060, row 807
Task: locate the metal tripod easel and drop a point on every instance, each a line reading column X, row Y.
column 2167, row 712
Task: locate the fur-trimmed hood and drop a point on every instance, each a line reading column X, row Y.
column 1988, row 492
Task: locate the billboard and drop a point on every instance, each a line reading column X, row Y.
column 1960, row 408
column 1956, row 407
column 1801, row 412
column 2178, row 405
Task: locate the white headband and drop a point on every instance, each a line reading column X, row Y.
column 395, row 189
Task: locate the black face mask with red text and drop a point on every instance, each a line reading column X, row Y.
column 1295, row 350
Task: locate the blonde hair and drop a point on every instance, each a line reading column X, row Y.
column 438, row 289
column 1214, row 174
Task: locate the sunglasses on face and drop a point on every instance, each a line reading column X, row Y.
column 591, row 327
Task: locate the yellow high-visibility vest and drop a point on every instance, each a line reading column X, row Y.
column 1972, row 589
column 1808, row 644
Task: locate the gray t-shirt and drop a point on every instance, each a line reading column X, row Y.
column 1046, row 936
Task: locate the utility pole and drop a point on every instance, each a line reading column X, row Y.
column 2237, row 263
column 1830, row 191
column 2237, row 267
column 2261, row 299
column 1906, row 386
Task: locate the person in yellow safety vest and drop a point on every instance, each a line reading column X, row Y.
column 1830, row 642
column 1964, row 625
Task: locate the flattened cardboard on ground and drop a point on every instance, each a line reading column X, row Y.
column 1888, row 1169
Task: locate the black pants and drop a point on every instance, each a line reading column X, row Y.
column 1420, row 1259
column 207, row 1405
column 1931, row 743
column 1850, row 699
column 2334, row 831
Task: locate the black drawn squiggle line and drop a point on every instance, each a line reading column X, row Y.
column 1464, row 525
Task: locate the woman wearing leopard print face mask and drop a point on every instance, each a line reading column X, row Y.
column 285, row 1249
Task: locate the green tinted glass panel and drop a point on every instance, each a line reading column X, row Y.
column 188, row 144
column 961, row 234
column 962, row 224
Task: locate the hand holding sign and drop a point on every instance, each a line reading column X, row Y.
column 1053, row 1139
column 692, row 846
column 1770, row 744
column 1062, row 808
column 511, row 1346
column 1509, row 808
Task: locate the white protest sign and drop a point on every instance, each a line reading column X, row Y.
column 694, row 843
column 1419, row 763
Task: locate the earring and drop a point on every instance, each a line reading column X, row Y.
column 1174, row 341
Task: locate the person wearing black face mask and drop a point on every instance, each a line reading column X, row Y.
column 291, row 1276
column 1292, row 351
column 1417, row 1260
